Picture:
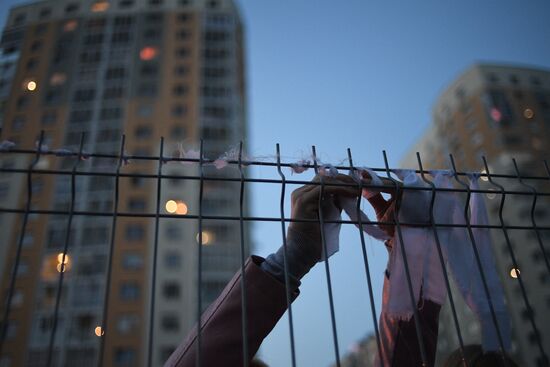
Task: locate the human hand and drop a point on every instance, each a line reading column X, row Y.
column 305, row 205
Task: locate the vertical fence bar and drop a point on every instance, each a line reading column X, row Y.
column 199, row 259
column 7, row 309
column 533, row 220
column 325, row 254
column 514, row 260
column 64, row 256
column 287, row 281
column 155, row 251
column 366, row 259
column 417, row 325
column 476, row 255
column 243, row 279
column 104, row 326
column 442, row 259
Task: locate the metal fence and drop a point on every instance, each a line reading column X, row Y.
column 531, row 193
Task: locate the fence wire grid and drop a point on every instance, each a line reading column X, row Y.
column 531, row 188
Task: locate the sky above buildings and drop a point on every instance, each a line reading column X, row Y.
column 361, row 75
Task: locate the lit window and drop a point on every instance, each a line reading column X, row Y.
column 178, row 207
column 100, row 6
column 171, row 206
column 30, row 85
column 207, row 237
column 58, row 79
column 70, row 26
column 514, row 273
column 496, row 115
column 99, row 331
column 148, row 53
column 63, row 262
column 528, row 113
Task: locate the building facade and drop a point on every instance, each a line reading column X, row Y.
column 146, row 69
column 500, row 112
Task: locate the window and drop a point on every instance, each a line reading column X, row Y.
column 170, row 323
column 36, row 45
column 129, row 291
column 137, row 182
column 100, row 6
column 148, row 53
column 22, row 102
column 84, row 95
column 179, row 90
column 172, row 260
column 58, row 79
column 127, row 323
column 177, row 132
column 18, row 123
column 171, row 290
column 89, row 57
column 124, row 21
column 184, row 17
column 215, row 72
column 45, row 13
column 120, row 37
column 136, row 204
column 149, row 70
column 71, row 8
column 173, row 231
column 153, row 18
column 152, row 33
column 212, row 4
column 132, row 261
column 145, row 111
column 78, row 116
column 155, row 2
column 178, row 110
column 147, row 90
column 86, row 294
column 125, row 357
column 215, row 53
column 113, row 93
column 111, row 113
column 96, row 235
column 183, row 34
column 216, row 36
column 215, row 111
column 134, row 232
column 93, row 39
column 181, row 70
column 19, row 19
column 182, row 52
column 40, row 29
column 31, row 63
column 115, row 73
column 125, row 3
column 143, row 132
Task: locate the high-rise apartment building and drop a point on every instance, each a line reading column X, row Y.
column 144, row 68
column 500, row 112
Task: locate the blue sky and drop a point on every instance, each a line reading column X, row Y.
column 364, row 75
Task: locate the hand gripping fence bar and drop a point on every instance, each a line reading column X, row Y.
column 529, row 191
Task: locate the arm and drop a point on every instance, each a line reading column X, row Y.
column 221, row 331
column 266, row 302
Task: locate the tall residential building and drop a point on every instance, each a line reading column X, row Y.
column 144, row 68
column 500, row 112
